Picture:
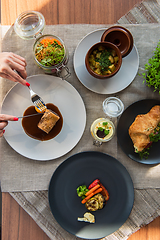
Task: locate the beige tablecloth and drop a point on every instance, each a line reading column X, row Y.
column 30, row 190
column 35, row 175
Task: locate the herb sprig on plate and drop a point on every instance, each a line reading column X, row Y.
column 154, row 137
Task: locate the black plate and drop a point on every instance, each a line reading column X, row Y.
column 83, row 168
column 125, row 142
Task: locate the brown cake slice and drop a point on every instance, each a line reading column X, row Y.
column 48, row 121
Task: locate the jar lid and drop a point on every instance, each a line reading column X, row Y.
column 29, row 24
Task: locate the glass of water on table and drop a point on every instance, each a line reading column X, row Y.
column 113, row 107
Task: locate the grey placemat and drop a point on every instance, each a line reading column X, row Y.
column 146, row 206
column 35, row 175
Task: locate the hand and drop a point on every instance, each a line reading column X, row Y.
column 4, row 122
column 8, row 63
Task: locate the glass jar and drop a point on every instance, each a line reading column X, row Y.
column 30, row 25
column 102, row 130
column 59, row 66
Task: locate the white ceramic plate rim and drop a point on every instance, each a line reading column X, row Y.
column 52, row 90
column 117, row 83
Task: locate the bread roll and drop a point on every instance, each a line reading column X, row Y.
column 143, row 126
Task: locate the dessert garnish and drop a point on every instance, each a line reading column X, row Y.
column 103, row 131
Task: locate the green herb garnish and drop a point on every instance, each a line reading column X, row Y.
column 154, row 137
column 144, row 154
column 152, row 76
column 100, row 129
column 106, row 132
column 104, row 60
column 104, row 129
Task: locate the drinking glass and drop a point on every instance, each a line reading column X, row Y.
column 113, row 107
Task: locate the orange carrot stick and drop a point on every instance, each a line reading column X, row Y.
column 92, row 189
column 97, row 191
column 88, row 197
column 91, row 195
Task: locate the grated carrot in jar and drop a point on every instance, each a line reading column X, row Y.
column 49, row 51
column 46, row 41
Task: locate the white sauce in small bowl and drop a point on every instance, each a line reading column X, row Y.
column 100, row 127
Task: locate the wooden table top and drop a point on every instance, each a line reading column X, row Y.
column 16, row 223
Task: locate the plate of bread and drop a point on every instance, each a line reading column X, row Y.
column 138, row 131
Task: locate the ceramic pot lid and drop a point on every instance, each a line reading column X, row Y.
column 119, row 36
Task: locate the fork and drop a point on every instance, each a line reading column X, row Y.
column 38, row 102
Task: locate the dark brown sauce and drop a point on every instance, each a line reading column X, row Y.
column 29, row 124
column 100, row 134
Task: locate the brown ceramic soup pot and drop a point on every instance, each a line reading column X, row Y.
column 96, row 60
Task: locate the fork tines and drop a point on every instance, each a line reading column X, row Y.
column 40, row 104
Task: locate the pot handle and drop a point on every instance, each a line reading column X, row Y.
column 60, row 71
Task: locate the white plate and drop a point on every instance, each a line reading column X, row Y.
column 117, row 83
column 52, row 90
